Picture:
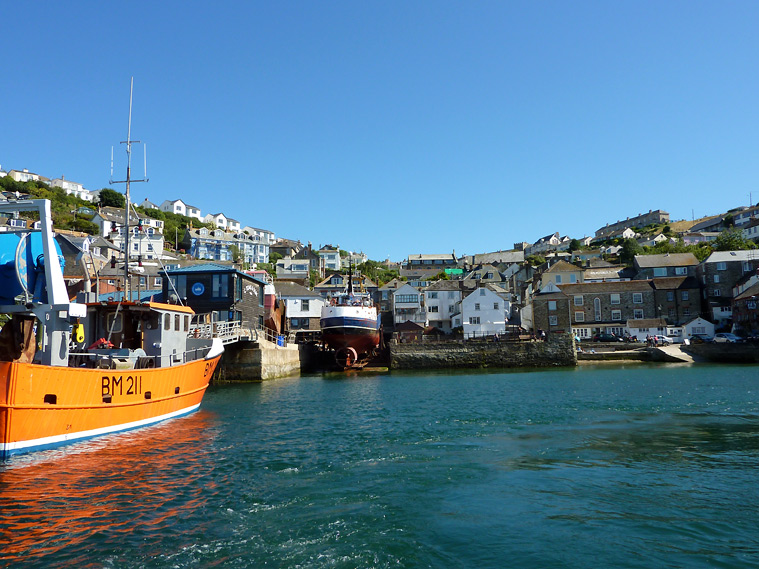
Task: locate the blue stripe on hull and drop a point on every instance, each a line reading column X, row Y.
column 348, row 322
column 8, row 452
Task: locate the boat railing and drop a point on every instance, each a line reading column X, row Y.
column 137, row 359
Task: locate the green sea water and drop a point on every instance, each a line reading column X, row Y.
column 624, row 466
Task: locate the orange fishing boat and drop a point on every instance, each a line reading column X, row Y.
column 71, row 371
column 75, row 370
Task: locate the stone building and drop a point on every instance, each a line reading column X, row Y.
column 591, row 308
column 677, row 299
column 718, row 274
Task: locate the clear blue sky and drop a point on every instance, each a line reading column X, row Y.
column 395, row 127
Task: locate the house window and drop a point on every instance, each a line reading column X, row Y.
column 451, row 308
column 495, row 306
column 637, row 298
column 158, row 281
column 304, row 305
column 407, row 298
column 638, row 313
column 474, row 319
column 680, row 271
column 722, row 266
column 616, row 315
column 717, row 292
column 579, row 317
column 553, row 320
column 432, row 309
column 660, row 272
column 684, row 295
column 432, row 295
column 551, row 305
column 746, row 267
column 670, row 295
column 482, row 292
column 558, row 279
column 578, row 301
column 220, row 285
column 716, row 278
column 476, row 305
column 597, row 309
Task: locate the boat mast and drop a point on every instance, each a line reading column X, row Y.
column 127, row 182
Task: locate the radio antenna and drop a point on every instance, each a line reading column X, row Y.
column 128, row 142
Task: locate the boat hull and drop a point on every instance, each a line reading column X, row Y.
column 43, row 407
column 350, row 327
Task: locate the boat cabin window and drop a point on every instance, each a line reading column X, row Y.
column 176, row 322
column 186, row 323
column 167, row 322
column 115, row 323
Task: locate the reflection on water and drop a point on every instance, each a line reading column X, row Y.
column 117, row 489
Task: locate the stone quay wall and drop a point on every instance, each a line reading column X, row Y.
column 258, row 361
column 558, row 350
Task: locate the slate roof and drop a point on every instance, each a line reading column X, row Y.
column 291, row 289
column 647, row 323
column 669, row 283
column 728, row 256
column 606, row 287
column 666, row 260
column 563, row 266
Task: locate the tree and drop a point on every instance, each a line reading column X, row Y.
column 574, row 245
column 732, row 240
column 630, row 248
column 111, row 198
column 235, row 251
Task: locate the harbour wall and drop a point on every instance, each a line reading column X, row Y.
column 258, row 361
column 558, row 350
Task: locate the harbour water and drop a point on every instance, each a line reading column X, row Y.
column 625, row 466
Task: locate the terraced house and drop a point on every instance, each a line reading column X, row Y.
column 589, row 308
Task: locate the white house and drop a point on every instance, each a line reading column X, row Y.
column 233, row 225
column 303, row 306
column 441, row 302
column 219, row 219
column 192, row 211
column 484, row 313
column 174, row 206
column 330, row 258
column 408, row 307
column 698, row 326
column 72, row 188
column 24, row 176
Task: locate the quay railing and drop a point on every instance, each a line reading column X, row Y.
column 231, row 331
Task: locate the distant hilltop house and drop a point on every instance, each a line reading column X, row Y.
column 181, row 208
column 26, row 176
column 551, row 242
column 611, row 230
column 72, row 188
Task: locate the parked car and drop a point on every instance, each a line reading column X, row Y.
column 663, row 339
column 727, row 338
column 607, row 338
column 701, row 339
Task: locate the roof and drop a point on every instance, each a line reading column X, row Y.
column 728, row 256
column 606, row 287
column 443, row 257
column 563, row 266
column 647, row 323
column 290, row 289
column 666, row 260
column 498, row 257
column 753, row 290
column 669, row 283
column 211, row 268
